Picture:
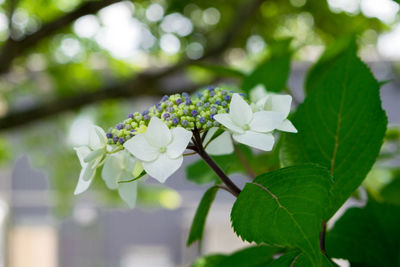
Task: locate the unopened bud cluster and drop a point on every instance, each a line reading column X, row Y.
column 177, row 110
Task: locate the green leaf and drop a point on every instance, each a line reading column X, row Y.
column 330, row 55
column 368, row 236
column 292, row 259
column 273, row 73
column 340, row 125
column 199, row 221
column 285, row 208
column 256, row 256
column 391, row 192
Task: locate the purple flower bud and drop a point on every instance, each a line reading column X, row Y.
column 166, row 116
column 212, row 116
column 169, row 109
column 185, row 95
column 127, row 126
column 227, row 97
column 164, row 98
column 202, row 120
column 179, row 101
column 188, row 102
column 224, row 103
column 199, row 104
column 146, row 117
column 109, row 135
column 130, row 116
column 132, row 133
column 242, row 94
column 211, row 88
column 212, row 93
column 223, row 92
column 158, row 106
column 175, row 121
column 121, row 140
column 185, row 123
column 145, row 112
column 227, row 110
column 194, row 113
column 217, row 102
column 199, row 94
column 206, row 105
column 119, row 126
column 115, row 139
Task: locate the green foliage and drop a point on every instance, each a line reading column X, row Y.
column 256, row 256
column 199, row 220
column 341, row 125
column 391, row 192
column 238, row 162
column 368, row 236
column 286, row 208
column 273, row 73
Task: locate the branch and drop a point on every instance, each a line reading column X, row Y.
column 143, row 84
column 14, row 48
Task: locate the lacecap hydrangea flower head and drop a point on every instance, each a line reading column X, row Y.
column 154, row 141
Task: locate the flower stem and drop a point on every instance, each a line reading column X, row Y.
column 213, row 165
column 322, row 238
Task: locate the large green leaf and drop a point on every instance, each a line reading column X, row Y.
column 273, row 73
column 391, row 192
column 340, row 125
column 199, row 221
column 285, row 207
column 368, row 236
column 256, row 256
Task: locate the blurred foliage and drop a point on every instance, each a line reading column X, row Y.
column 70, row 62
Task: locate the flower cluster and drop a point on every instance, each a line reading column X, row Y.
column 178, row 110
column 153, row 142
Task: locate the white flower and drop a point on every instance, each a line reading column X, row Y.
column 252, row 129
column 118, row 169
column 220, row 145
column 159, row 148
column 273, row 102
column 90, row 157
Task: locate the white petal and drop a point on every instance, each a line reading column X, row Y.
column 137, row 169
column 260, row 105
column 157, row 133
column 140, row 148
column 279, row 103
column 95, row 154
column 89, row 171
column 84, row 182
column 287, row 126
column 180, row 140
column 221, row 145
column 257, row 93
column 225, row 120
column 210, row 134
column 266, row 121
column 261, row 141
column 128, row 192
column 163, row 167
column 240, row 111
column 97, row 138
column 82, row 153
column 111, row 171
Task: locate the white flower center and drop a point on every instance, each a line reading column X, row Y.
column 246, row 127
column 162, row 149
